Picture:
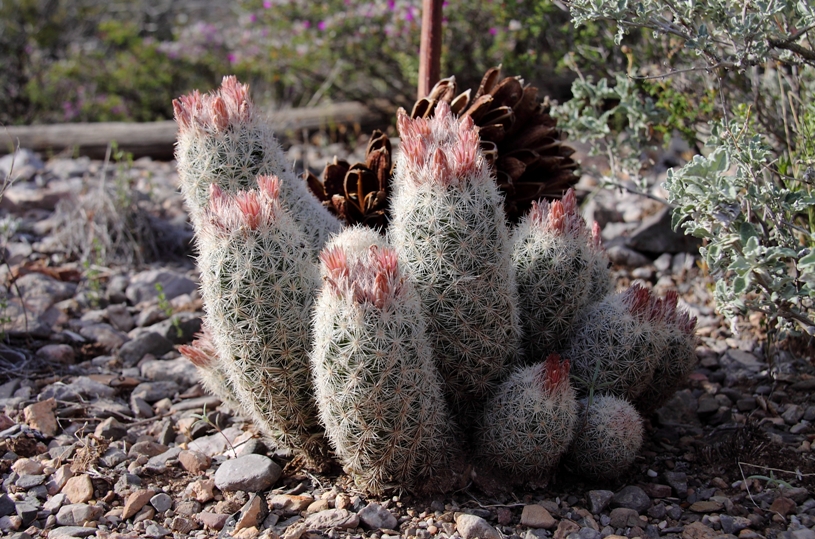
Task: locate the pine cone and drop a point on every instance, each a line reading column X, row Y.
column 358, row 193
column 518, row 136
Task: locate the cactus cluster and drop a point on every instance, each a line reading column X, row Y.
column 383, row 352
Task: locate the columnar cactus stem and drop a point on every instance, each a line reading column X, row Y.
column 551, row 258
column 223, row 141
column 614, row 343
column 258, row 283
column 378, row 390
column 609, row 436
column 530, row 422
column 449, row 229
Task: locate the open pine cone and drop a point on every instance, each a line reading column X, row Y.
column 518, row 136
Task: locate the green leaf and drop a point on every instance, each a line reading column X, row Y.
column 741, row 283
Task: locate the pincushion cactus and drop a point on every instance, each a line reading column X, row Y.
column 530, row 422
column 258, row 283
column 613, row 344
column 609, row 436
column 212, row 372
column 223, row 141
column 378, row 390
column 551, row 258
column 449, row 229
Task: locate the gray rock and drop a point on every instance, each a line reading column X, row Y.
column 331, row 519
column 632, row 497
column 69, row 168
column 140, row 407
column 41, row 291
column 655, row 235
column 179, row 370
column 793, row 414
column 161, row 502
column 149, row 343
column 679, row 482
column 625, row 256
column 112, row 457
column 733, row 524
column 156, row 531
column 143, row 285
column 57, row 354
column 21, row 165
column 119, row 317
column 27, row 511
column 68, row 532
column 159, row 463
column 374, row 516
column 744, row 360
column 78, row 513
column 472, row 527
column 26, row 482
column 623, row 517
column 116, row 289
column 251, row 473
column 105, row 335
column 803, row 533
column 599, row 500
column 588, row 533
column 663, row 262
column 152, row 392
column 6, row 505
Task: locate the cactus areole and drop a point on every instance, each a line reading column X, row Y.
column 381, row 353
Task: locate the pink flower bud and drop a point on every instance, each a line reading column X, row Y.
column 219, row 113
column 249, row 206
column 596, row 236
column 555, row 373
column 336, row 265
column 557, row 217
column 269, row 186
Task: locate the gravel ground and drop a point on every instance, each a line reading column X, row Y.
column 105, row 432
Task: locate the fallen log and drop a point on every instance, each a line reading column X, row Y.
column 156, row 139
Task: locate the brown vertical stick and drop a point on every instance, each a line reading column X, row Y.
column 430, row 51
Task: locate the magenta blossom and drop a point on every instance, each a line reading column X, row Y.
column 321, row 25
column 267, row 4
column 391, row 5
column 306, row 24
column 493, row 31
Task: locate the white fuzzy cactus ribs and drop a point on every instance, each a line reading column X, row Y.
column 449, row 229
column 551, row 258
column 601, row 281
column 378, row 390
column 613, row 345
column 223, row 141
column 531, row 421
column 676, row 360
column 211, row 370
column 608, row 438
column 258, row 283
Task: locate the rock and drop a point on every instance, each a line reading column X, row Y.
column 334, row 518
column 26, row 482
column 194, row 462
column 120, row 318
column 110, row 429
column 183, row 525
column 655, row 490
column 733, row 525
column 57, row 353
column 143, row 285
column 146, row 448
column 373, row 516
column 135, row 501
column 655, row 235
column 796, row 494
column 78, row 489
column 783, row 506
column 78, row 514
column 21, row 165
column 202, row 490
column 159, row 463
column 149, row 343
column 152, row 392
column 179, row 370
column 69, row 532
column 565, row 528
column 155, row 531
column 679, row 482
column 59, row 478
column 697, row 530
column 632, row 497
column 252, row 513
column 625, row 256
column 252, row 473
column 745, row 360
column 706, row 507
column 318, row 505
column 6, row 505
column 290, row 504
column 105, row 335
column 472, row 527
column 215, row 444
column 588, row 533
column 140, row 407
column 161, row 502
column 41, row 291
column 793, row 414
column 40, row 416
column 599, row 500
column 212, row 520
column 27, row 467
column 623, row 517
column 27, row 512
column 536, row 516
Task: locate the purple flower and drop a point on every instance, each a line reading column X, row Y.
column 231, row 58
column 253, row 17
column 321, row 25
column 267, row 4
column 493, row 31
column 306, row 24
column 409, row 14
column 391, row 5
